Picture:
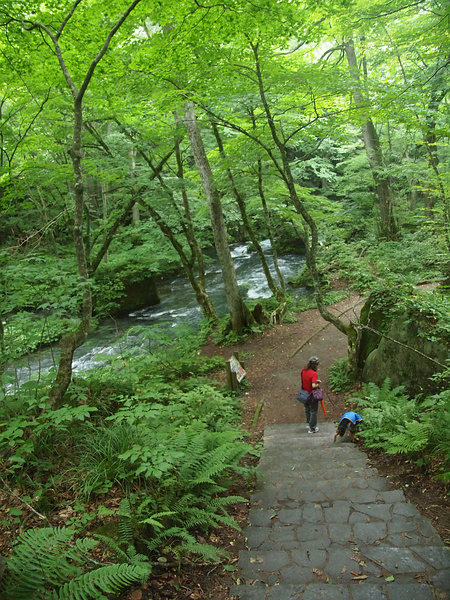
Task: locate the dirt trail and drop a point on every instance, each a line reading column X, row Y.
column 274, row 359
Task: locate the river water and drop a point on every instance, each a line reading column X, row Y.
column 178, row 307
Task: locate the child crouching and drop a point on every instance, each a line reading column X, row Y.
column 348, row 424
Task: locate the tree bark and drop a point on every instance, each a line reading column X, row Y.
column 311, row 239
column 71, row 342
column 276, row 291
column 388, row 228
column 240, row 316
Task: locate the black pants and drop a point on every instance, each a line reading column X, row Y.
column 311, row 410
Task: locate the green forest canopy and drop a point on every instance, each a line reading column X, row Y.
column 136, row 135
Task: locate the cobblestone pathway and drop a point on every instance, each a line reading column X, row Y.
column 325, row 526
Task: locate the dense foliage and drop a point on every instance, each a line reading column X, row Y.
column 397, row 424
column 136, row 137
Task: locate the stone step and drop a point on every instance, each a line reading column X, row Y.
column 305, row 563
column 341, row 523
column 325, row 526
column 359, row 490
column 325, row 591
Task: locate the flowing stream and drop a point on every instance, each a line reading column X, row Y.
column 178, row 307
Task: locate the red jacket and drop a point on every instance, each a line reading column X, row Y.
column 308, row 378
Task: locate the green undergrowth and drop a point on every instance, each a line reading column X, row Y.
column 395, row 423
column 148, row 434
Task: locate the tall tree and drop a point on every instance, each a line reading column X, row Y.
column 72, row 341
column 240, row 315
column 388, row 227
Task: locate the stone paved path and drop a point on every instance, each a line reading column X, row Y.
column 325, row 526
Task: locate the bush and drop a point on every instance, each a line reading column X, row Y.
column 397, row 424
column 339, row 376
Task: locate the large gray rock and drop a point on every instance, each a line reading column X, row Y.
column 401, row 363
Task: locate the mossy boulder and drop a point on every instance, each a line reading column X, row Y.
column 119, row 294
column 403, row 351
column 137, row 295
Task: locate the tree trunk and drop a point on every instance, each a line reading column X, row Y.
column 240, row 316
column 135, row 215
column 374, row 152
column 197, row 283
column 276, row 291
column 311, row 241
column 269, row 227
column 203, row 299
column 71, row 342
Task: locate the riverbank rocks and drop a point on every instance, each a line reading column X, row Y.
column 122, row 295
column 138, row 294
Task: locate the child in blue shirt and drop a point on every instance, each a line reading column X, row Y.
column 349, row 420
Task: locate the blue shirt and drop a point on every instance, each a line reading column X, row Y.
column 351, row 416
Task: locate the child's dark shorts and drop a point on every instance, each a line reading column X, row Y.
column 344, row 425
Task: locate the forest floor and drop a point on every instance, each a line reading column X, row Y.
column 273, row 361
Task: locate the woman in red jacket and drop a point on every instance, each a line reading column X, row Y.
column 311, row 381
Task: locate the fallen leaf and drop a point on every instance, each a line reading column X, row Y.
column 360, row 577
column 136, row 595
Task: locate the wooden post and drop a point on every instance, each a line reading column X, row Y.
column 232, row 382
column 235, row 372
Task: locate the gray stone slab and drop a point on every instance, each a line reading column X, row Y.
column 290, row 516
column 358, row 517
column 269, row 545
column 283, row 534
column 260, row 517
column 254, row 561
column 394, row 560
column 406, row 509
column 441, row 580
column 437, row 557
column 378, row 483
column 339, row 533
column 368, row 533
column 425, row 526
column 392, row 496
column 311, row 531
column 338, row 512
column 309, row 556
column 381, row 512
column 360, row 482
column 264, row 497
column 313, row 513
column 297, row 575
column 255, row 536
column 413, row 539
column 247, row 592
column 323, row 591
column 286, row 592
column 402, row 525
column 369, row 592
column 340, row 563
column 413, row 591
column 360, row 496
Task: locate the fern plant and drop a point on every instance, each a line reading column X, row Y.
column 393, row 422
column 339, row 375
column 49, row 563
